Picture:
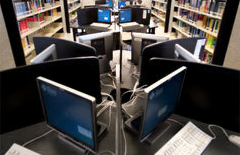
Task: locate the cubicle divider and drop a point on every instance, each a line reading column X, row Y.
column 210, row 93
column 19, row 100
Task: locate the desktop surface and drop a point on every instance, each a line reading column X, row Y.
column 51, row 145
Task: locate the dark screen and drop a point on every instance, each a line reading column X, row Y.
column 161, row 102
column 209, row 91
column 68, row 113
column 98, row 44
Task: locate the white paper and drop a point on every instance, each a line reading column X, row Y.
column 144, row 14
column 199, row 44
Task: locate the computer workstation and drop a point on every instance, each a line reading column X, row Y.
column 218, row 146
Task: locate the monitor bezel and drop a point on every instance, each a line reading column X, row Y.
column 75, row 93
column 128, row 9
column 110, row 14
column 145, row 100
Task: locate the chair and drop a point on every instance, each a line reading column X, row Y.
column 140, row 40
column 19, row 99
column 49, row 53
column 166, row 50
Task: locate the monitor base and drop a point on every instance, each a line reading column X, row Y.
column 157, row 132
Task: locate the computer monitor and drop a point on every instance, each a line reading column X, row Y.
column 121, row 3
column 104, row 15
column 125, row 15
column 70, row 112
column 48, row 54
column 110, row 3
column 183, row 54
column 159, row 101
column 87, row 16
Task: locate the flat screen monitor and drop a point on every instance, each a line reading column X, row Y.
column 110, row 3
column 183, row 54
column 104, row 15
column 125, row 15
column 46, row 55
column 121, row 4
column 69, row 112
column 159, row 101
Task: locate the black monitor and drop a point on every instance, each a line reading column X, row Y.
column 20, row 102
column 87, row 16
column 159, row 101
column 125, row 15
column 121, row 3
column 69, row 112
column 209, row 91
column 104, row 15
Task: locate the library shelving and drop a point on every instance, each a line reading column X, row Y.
column 37, row 18
column 159, row 10
column 194, row 18
column 73, row 6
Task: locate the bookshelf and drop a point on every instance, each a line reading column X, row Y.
column 73, row 6
column 37, row 18
column 159, row 10
column 198, row 18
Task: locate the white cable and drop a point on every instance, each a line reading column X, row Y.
column 173, row 120
column 106, row 151
column 37, row 138
column 214, row 136
column 125, row 140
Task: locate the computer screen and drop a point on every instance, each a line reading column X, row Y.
column 110, row 3
column 160, row 100
column 104, row 15
column 125, row 15
column 69, row 112
column 183, row 54
column 121, row 3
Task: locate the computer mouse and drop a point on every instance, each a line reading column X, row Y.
column 234, row 139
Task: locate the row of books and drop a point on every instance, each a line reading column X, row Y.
column 203, row 21
column 30, row 22
column 25, row 43
column 214, row 7
column 23, row 26
column 207, row 57
column 24, row 7
column 195, row 32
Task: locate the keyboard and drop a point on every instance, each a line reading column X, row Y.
column 100, row 25
column 16, row 149
column 129, row 24
column 190, row 140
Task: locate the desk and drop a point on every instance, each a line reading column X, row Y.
column 75, row 27
column 51, row 145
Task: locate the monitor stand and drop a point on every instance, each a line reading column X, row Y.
column 157, row 132
column 70, row 142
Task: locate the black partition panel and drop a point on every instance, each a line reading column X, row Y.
column 210, row 93
column 166, row 50
column 64, row 48
column 20, row 104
